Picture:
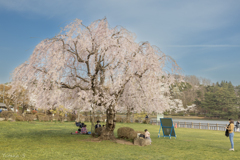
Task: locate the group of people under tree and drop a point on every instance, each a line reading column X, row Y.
column 98, row 125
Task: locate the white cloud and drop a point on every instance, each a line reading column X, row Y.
column 218, row 67
column 214, row 68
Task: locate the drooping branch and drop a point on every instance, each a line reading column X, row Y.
column 64, row 85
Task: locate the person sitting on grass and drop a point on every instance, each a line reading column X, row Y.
column 97, row 125
column 147, row 135
column 84, row 130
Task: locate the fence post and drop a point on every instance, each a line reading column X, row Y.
column 192, row 124
column 217, row 127
column 208, row 126
column 179, row 124
column 199, row 125
column 185, row 124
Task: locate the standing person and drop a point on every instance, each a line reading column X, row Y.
column 97, row 125
column 147, row 135
column 237, row 125
column 230, row 129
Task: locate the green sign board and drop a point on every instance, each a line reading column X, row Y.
column 167, row 128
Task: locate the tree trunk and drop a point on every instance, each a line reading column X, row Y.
column 7, row 105
column 15, row 106
column 78, row 115
column 108, row 133
column 23, row 108
column 128, row 115
column 92, row 120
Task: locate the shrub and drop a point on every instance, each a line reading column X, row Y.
column 125, row 120
column 43, row 118
column 124, row 132
column 19, row 118
column 4, row 114
column 146, row 121
column 29, row 117
column 136, row 121
column 7, row 115
column 72, row 117
column 39, row 114
column 166, row 113
column 119, row 119
column 55, row 117
column 128, row 133
column 61, row 118
column 68, row 119
column 181, row 114
column 192, row 114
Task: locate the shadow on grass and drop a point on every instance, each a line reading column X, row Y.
column 38, row 130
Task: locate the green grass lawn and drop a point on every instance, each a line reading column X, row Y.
column 46, row 140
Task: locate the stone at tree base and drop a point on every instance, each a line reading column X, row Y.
column 141, row 142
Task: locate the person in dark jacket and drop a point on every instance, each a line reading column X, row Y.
column 97, row 125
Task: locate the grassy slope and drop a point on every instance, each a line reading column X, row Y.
column 46, row 140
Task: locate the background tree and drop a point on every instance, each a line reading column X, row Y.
column 219, row 101
column 5, row 97
column 94, row 64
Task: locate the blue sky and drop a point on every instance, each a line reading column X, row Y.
column 202, row 36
